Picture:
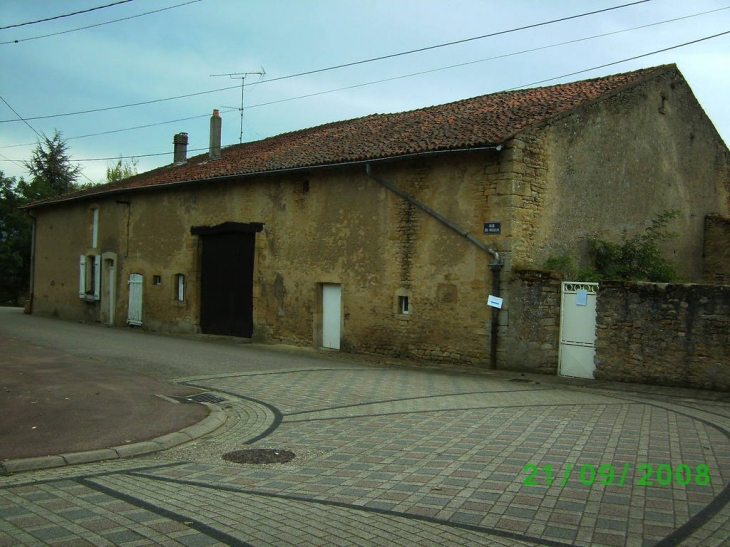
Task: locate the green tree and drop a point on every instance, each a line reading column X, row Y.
column 51, row 174
column 15, row 241
column 50, row 168
column 121, row 170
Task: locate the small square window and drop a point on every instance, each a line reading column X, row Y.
column 403, row 305
column 157, row 280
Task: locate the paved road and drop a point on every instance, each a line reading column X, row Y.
column 385, row 455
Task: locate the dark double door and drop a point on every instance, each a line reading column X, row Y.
column 226, row 305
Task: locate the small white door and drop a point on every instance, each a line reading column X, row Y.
column 134, row 311
column 331, row 315
column 578, row 329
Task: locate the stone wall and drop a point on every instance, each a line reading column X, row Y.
column 327, row 226
column 666, row 334
column 716, row 250
column 531, row 337
column 602, row 178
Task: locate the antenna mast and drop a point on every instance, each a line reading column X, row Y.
column 240, row 76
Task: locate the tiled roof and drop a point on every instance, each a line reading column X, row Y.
column 487, row 120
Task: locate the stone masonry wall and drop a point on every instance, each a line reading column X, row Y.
column 532, row 336
column 666, row 334
column 716, row 250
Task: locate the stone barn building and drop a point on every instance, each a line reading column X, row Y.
column 386, row 234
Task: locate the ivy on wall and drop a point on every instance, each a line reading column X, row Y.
column 636, row 258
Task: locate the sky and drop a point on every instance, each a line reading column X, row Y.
column 164, row 58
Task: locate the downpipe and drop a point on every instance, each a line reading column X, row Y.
column 495, row 266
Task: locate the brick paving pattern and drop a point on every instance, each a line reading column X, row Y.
column 404, row 457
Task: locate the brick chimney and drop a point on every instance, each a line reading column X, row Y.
column 181, row 148
column 215, row 135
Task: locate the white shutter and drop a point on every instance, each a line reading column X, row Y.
column 82, row 277
column 97, row 277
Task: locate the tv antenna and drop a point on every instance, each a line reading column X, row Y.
column 241, row 76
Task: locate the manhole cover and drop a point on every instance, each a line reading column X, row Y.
column 259, row 455
column 199, row 398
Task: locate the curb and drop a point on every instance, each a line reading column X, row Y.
column 210, row 423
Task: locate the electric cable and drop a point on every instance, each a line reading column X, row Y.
column 20, row 117
column 66, row 15
column 97, row 24
column 449, row 67
column 627, row 59
column 373, row 59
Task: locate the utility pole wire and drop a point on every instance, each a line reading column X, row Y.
column 20, row 117
column 66, row 15
column 97, row 25
column 463, row 41
column 41, row 137
column 410, row 75
column 627, row 59
column 544, row 23
column 622, row 60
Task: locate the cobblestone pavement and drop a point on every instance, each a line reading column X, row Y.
column 399, row 456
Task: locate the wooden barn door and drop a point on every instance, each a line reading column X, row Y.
column 226, row 305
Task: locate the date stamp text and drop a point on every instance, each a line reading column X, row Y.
column 646, row 474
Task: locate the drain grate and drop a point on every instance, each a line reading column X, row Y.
column 200, row 398
column 259, row 455
column 520, row 380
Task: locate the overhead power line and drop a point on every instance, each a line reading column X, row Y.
column 97, row 24
column 66, row 15
column 490, row 59
column 385, row 80
column 336, row 67
column 531, row 84
column 410, row 75
column 597, row 67
column 20, row 117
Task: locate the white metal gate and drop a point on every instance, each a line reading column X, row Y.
column 134, row 311
column 578, row 329
column 331, row 315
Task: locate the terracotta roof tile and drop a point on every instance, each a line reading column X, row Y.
column 487, row 120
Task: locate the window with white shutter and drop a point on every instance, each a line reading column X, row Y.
column 90, row 277
column 82, row 277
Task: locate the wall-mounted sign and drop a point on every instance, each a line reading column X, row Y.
column 492, row 228
column 494, row 301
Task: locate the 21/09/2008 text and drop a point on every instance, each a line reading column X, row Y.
column 647, row 475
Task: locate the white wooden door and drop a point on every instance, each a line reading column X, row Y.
column 578, row 329
column 134, row 311
column 331, row 315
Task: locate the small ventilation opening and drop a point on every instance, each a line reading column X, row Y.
column 404, row 306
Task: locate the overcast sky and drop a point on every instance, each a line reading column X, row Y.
column 173, row 52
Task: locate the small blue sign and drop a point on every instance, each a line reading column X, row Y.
column 492, row 228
